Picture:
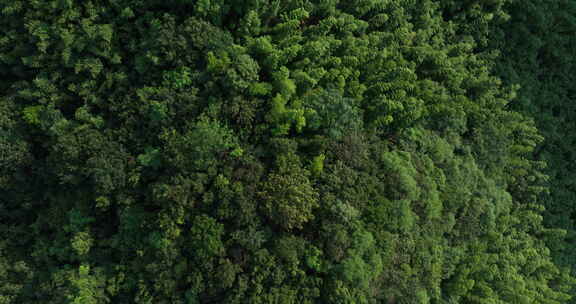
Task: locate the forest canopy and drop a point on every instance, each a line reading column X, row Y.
column 287, row 151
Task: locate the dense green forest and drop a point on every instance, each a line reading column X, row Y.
column 288, row 151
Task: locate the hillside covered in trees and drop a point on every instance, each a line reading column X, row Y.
column 288, row 151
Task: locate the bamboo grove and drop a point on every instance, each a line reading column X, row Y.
column 287, row 151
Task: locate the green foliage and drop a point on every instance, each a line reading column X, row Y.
column 88, row 286
column 151, row 158
column 30, row 114
column 216, row 151
column 205, row 235
column 289, row 197
column 178, row 79
column 317, row 165
column 332, row 113
column 198, row 148
column 544, row 70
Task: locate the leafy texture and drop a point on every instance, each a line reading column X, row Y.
column 360, row 151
